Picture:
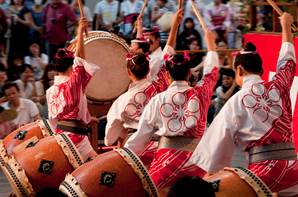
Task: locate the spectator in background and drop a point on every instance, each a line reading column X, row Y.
column 3, row 79
column 227, row 89
column 160, row 9
column 86, row 10
column 36, row 23
column 26, row 109
column 3, row 30
column 188, row 34
column 129, row 12
column 13, row 67
column 224, row 59
column 37, row 60
column 58, row 16
column 41, row 87
column 20, row 21
column 26, row 83
column 218, row 18
column 6, row 125
column 4, row 5
column 107, row 12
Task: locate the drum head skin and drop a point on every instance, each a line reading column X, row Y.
column 108, row 51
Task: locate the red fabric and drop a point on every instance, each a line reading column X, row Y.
column 67, row 98
column 277, row 175
column 169, row 165
column 268, row 46
column 148, row 155
column 280, row 130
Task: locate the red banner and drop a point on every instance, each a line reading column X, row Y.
column 268, row 46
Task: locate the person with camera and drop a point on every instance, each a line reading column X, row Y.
column 57, row 17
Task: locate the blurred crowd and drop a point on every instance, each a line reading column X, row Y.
column 31, row 31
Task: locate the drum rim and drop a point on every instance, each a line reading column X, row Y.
column 3, row 153
column 71, row 187
column 17, row 178
column 69, row 149
column 110, row 36
column 46, row 128
column 260, row 188
column 140, row 170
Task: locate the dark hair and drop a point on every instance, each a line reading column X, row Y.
column 228, row 72
column 1, row 109
column 9, row 85
column 2, row 68
column 191, row 186
column 178, row 67
column 186, row 21
column 251, row 62
column 45, row 78
column 23, row 68
column 138, row 65
column 145, row 46
column 49, row 192
column 63, row 60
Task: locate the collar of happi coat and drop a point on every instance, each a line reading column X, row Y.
column 155, row 53
column 138, row 83
column 60, row 79
column 179, row 84
column 251, row 79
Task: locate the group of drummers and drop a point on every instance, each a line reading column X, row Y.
column 161, row 124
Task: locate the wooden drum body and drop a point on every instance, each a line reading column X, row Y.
column 235, row 182
column 116, row 173
column 42, row 164
column 39, row 128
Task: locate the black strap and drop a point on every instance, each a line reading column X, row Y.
column 76, row 130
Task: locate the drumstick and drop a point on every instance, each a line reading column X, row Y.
column 199, row 16
column 82, row 13
column 140, row 15
column 180, row 4
column 280, row 12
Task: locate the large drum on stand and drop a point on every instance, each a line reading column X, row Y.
column 234, row 182
column 108, row 51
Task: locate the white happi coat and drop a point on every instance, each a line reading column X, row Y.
column 67, row 100
column 155, row 63
column 126, row 110
column 179, row 111
column 259, row 114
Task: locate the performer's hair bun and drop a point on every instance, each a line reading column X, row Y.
column 138, row 64
column 63, row 60
column 178, row 66
column 250, row 47
column 249, row 59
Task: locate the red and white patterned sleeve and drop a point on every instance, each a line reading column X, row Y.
column 286, row 66
column 208, row 82
column 82, row 72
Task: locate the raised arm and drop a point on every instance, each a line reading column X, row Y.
column 211, row 64
column 83, row 25
column 286, row 61
column 175, row 25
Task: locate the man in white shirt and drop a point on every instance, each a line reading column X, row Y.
column 106, row 14
column 26, row 109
